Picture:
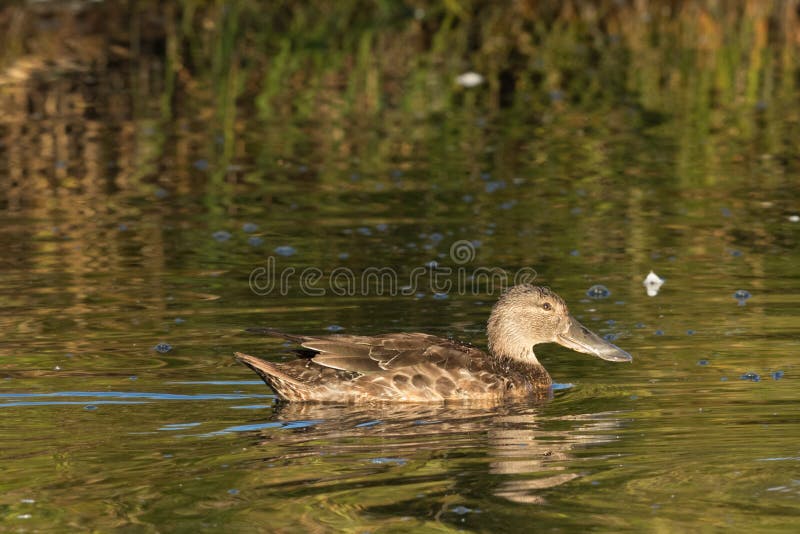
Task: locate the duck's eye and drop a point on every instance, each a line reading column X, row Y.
column 547, row 306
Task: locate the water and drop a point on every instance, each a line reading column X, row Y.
column 142, row 211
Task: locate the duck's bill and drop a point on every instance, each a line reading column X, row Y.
column 581, row 339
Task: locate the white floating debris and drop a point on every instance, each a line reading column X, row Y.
column 794, row 218
column 469, row 79
column 653, row 283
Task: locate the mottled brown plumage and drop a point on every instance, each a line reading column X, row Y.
column 415, row 367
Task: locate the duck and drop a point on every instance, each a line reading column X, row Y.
column 419, row 367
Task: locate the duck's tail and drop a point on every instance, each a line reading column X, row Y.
column 286, row 387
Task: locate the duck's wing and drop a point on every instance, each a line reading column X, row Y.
column 388, row 352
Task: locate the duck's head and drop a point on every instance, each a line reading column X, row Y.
column 528, row 315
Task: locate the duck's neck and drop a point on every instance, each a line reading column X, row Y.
column 528, row 369
column 509, row 343
column 512, row 351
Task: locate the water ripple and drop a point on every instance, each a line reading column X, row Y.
column 9, row 399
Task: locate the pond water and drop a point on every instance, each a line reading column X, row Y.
column 147, row 207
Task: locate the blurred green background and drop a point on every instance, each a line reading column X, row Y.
column 371, row 84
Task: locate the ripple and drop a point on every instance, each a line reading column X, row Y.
column 384, row 461
column 221, row 236
column 179, row 426
column 285, row 250
column 598, row 291
column 127, row 396
column 163, row 348
column 291, row 425
column 742, row 295
column 66, row 403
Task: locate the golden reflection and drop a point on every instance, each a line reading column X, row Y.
column 102, row 110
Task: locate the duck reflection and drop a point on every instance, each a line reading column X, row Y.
column 523, row 452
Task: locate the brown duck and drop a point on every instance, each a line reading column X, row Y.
column 418, row 367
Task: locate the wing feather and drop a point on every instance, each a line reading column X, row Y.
column 367, row 355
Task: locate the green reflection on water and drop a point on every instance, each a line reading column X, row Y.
column 606, row 140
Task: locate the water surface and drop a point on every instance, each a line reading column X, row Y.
column 144, row 182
